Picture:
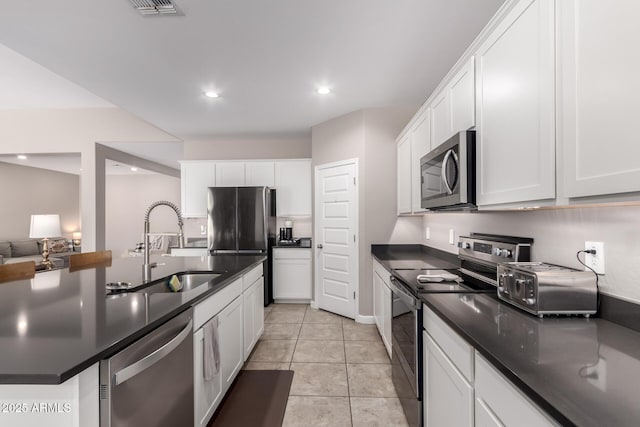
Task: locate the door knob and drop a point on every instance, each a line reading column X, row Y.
column 319, row 246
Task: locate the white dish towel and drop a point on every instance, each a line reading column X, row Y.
column 211, row 350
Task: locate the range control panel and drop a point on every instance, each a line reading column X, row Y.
column 494, row 249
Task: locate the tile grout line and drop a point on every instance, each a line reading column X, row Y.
column 346, row 371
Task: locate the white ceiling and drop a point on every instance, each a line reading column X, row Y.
column 266, row 58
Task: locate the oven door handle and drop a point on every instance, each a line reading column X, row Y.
column 403, row 294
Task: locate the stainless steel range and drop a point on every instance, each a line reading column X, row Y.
column 479, row 256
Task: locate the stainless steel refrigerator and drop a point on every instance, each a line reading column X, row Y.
column 242, row 220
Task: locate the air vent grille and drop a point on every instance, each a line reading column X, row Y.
column 154, row 7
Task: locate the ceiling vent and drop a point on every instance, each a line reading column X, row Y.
column 154, row 7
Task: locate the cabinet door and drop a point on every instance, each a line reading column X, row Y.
column 440, row 118
column 259, row 174
column 404, row 175
column 207, row 393
column 292, row 278
column 377, row 301
column 293, row 188
column 485, row 416
column 516, row 107
column 249, row 336
column 230, row 334
column 230, row 174
column 507, row 404
column 258, row 306
column 463, row 105
column 448, row 397
column 420, row 145
column 195, row 179
column 598, row 96
column 386, row 317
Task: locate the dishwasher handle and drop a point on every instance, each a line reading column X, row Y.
column 151, row 359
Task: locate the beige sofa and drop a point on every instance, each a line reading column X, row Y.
column 12, row 251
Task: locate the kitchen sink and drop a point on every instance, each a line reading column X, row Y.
column 190, row 281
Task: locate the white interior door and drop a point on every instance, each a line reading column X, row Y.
column 336, row 215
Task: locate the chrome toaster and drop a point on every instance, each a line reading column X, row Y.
column 545, row 289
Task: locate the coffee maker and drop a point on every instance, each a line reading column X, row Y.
column 286, row 232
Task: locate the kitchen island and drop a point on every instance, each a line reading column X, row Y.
column 56, row 327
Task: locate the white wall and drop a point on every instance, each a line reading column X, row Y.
column 239, row 148
column 75, row 130
column 369, row 136
column 27, row 191
column 559, row 234
column 127, row 200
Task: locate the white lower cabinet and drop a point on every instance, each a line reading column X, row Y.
column 448, row 396
column 238, row 310
column 230, row 335
column 253, row 307
column 207, row 393
column 382, row 304
column 499, row 403
column 292, row 274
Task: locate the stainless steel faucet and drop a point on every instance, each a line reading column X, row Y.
column 147, row 266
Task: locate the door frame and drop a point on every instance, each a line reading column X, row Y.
column 317, row 234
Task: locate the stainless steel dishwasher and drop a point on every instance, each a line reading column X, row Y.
column 150, row 383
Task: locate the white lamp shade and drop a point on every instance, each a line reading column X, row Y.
column 77, row 235
column 44, row 226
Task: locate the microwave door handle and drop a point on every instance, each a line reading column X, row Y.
column 443, row 172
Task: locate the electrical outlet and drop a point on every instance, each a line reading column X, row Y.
column 595, row 261
column 203, row 229
column 451, row 237
column 427, row 233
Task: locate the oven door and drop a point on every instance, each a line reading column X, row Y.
column 447, row 173
column 406, row 352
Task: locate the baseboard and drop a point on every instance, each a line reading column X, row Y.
column 313, row 304
column 367, row 320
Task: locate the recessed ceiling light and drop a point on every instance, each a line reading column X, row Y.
column 211, row 94
column 324, row 90
column 22, row 157
column 134, row 169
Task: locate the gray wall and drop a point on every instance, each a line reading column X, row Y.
column 237, row 148
column 559, row 234
column 369, row 136
column 127, row 200
column 27, row 191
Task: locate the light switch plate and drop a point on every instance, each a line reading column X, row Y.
column 452, row 236
column 427, row 233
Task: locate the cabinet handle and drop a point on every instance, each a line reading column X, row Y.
column 319, row 246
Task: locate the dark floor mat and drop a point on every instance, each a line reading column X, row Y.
column 256, row 399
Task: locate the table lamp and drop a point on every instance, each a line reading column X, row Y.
column 44, row 227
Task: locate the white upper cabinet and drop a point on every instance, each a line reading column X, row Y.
column 515, row 107
column 230, row 174
column 420, row 145
column 463, row 98
column 440, row 118
column 404, row 174
column 259, row 174
column 293, row 188
column 598, row 96
column 453, row 109
column 196, row 177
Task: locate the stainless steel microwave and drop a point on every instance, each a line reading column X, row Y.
column 448, row 174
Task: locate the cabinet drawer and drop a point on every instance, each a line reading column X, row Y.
column 291, row 253
column 505, row 401
column 250, row 278
column 215, row 303
column 453, row 345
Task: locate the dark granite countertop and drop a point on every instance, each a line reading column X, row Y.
column 581, row 371
column 414, row 257
column 59, row 323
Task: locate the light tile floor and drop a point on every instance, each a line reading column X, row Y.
column 342, row 370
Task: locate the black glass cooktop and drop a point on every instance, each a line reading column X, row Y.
column 448, row 284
